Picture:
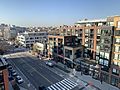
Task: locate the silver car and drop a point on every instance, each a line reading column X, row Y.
column 50, row 64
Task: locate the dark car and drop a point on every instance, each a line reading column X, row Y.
column 42, row 88
column 78, row 68
column 11, row 78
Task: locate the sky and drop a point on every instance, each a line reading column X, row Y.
column 55, row 12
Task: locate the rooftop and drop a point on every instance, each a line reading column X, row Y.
column 91, row 21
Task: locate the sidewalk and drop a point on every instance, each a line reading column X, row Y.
column 86, row 78
column 89, row 79
column 97, row 83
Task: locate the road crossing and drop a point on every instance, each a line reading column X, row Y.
column 65, row 84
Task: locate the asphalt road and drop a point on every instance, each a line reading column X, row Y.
column 37, row 72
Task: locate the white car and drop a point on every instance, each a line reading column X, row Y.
column 18, row 77
column 19, row 81
column 14, row 74
column 49, row 64
column 13, row 71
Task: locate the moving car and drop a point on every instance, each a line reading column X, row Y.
column 50, row 64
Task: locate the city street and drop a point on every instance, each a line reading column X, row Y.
column 35, row 71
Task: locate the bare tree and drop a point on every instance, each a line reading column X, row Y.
column 4, row 46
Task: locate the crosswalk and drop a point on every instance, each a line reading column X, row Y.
column 65, row 84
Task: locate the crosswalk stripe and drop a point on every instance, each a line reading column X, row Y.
column 68, row 86
column 62, row 85
column 56, row 87
column 53, row 87
column 65, row 84
column 70, row 83
column 50, row 88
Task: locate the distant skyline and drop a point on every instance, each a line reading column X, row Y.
column 55, row 12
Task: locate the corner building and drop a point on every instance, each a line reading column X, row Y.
column 101, row 41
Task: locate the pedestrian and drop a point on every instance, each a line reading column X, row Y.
column 101, row 81
column 81, row 73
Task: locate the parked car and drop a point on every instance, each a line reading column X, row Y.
column 13, row 71
column 18, row 77
column 42, row 88
column 11, row 78
column 50, row 64
column 14, row 74
column 78, row 68
column 10, row 67
column 20, row 80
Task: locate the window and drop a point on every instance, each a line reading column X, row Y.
column 105, row 62
column 68, row 53
column 107, row 55
column 97, row 58
column 86, row 31
column 117, row 40
column 101, row 61
column 115, row 71
column 99, row 31
column 118, row 24
column 117, row 48
column 114, row 81
column 117, row 56
column 102, row 40
column 117, row 32
column 102, row 54
column 116, row 63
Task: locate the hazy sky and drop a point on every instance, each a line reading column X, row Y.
column 55, row 12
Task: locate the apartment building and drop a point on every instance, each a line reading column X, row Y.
column 27, row 39
column 4, row 82
column 101, row 39
column 64, row 49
